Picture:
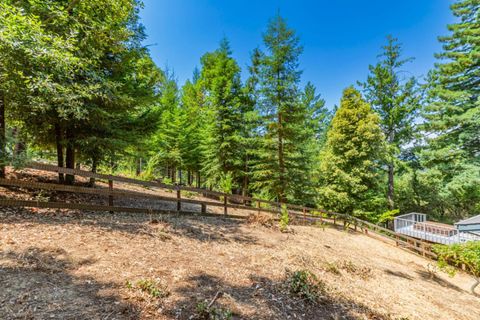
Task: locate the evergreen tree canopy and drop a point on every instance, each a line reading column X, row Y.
column 282, row 166
column 349, row 169
column 452, row 126
column 453, row 114
column 221, row 143
column 396, row 100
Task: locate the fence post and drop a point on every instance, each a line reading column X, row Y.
column 334, row 220
column 258, row 206
column 304, row 216
column 204, row 208
column 225, row 204
column 179, row 196
column 110, row 197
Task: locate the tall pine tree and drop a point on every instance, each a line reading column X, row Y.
column 350, row 160
column 282, row 166
column 222, row 115
column 396, row 99
column 453, row 114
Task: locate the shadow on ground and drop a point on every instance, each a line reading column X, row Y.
column 205, row 229
column 263, row 298
column 398, row 274
column 38, row 284
column 433, row 278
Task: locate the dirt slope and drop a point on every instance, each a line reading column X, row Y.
column 78, row 266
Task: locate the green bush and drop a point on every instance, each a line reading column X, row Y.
column 153, row 288
column 284, row 219
column 206, row 312
column 465, row 255
column 304, row 285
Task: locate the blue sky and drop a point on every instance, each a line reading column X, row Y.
column 340, row 38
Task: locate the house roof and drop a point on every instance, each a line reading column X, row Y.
column 470, row 221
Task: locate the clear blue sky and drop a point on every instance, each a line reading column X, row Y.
column 340, row 38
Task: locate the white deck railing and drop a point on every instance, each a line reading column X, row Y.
column 416, row 225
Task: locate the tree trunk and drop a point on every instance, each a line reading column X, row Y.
column 91, row 183
column 390, row 195
column 391, row 169
column 139, row 166
column 3, row 138
column 281, row 162
column 70, row 156
column 245, row 180
column 19, row 148
column 189, row 177
column 59, row 142
column 174, row 175
column 198, row 179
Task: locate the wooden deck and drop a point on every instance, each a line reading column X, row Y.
column 416, row 225
column 430, row 234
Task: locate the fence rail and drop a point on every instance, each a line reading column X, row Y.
column 299, row 213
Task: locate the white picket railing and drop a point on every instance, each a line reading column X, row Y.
column 416, row 225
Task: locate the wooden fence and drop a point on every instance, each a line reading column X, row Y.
column 300, row 214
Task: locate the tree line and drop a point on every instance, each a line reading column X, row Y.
column 78, row 86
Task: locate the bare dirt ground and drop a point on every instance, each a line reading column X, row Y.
column 80, row 265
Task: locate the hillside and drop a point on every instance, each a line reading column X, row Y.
column 76, row 265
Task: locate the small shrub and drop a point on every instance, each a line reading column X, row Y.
column 304, row 285
column 42, row 196
column 206, row 312
column 152, row 288
column 226, row 182
column 284, row 219
column 148, row 173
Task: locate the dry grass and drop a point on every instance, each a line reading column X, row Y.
column 82, row 265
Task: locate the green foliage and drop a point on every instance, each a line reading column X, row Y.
column 284, row 219
column 149, row 172
column 460, row 255
column 151, row 287
column 288, row 124
column 348, row 174
column 396, row 100
column 226, row 182
column 388, row 216
column 76, row 79
column 453, row 116
column 222, row 131
column 206, row 312
column 305, row 285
